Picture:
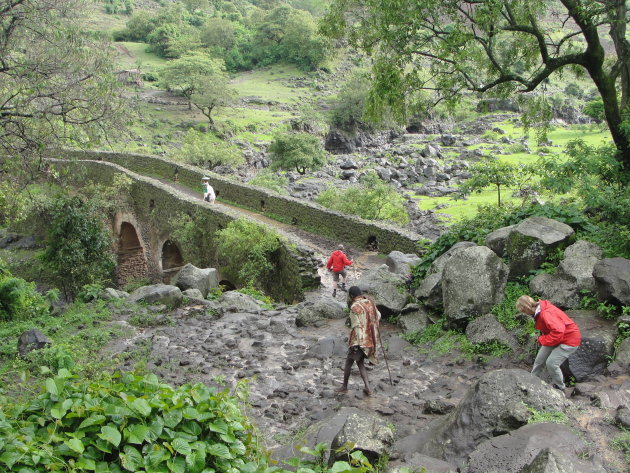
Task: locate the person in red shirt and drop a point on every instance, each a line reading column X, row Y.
column 560, row 337
column 337, row 264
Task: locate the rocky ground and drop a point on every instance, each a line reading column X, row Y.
column 291, row 372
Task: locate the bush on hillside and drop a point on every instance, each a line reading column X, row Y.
column 371, row 199
column 18, row 299
column 78, row 247
column 200, row 149
column 297, row 151
column 270, row 180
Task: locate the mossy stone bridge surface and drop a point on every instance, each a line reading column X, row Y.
column 144, row 230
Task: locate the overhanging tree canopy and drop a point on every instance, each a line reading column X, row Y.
column 503, row 46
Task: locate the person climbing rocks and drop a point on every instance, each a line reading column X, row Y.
column 337, row 263
column 364, row 335
column 560, row 337
column 208, row 191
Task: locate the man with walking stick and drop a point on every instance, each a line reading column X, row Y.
column 364, row 337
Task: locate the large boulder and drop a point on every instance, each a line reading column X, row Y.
column 413, row 318
column 497, row 404
column 487, row 329
column 532, row 240
column 234, row 301
column 596, row 348
column 424, row 464
column 309, row 313
column 110, row 293
column 328, row 347
column 31, row 340
column 401, row 263
column 497, row 239
column 368, row 432
column 386, row 288
column 561, row 290
column 534, row 448
column 430, row 289
column 165, row 294
column 191, row 277
column 578, row 263
column 612, row 279
column 622, row 358
column 473, row 281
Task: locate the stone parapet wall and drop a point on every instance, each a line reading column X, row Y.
column 344, row 228
column 155, row 206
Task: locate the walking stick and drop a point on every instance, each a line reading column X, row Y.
column 385, row 358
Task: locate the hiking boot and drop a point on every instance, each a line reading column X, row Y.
column 343, row 286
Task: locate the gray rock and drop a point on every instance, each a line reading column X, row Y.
column 348, row 164
column 561, row 290
column 191, row 277
column 414, row 320
column 31, row 340
column 578, row 263
column 532, row 240
column 487, row 329
column 612, row 279
column 110, row 293
column 425, row 464
column 385, row 287
column 622, row 417
column 472, row 283
column 622, row 357
column 367, row 432
column 157, row 294
column 496, row 240
column 513, row 452
column 233, row 301
column 323, row 308
column 328, row 347
column 401, row 263
column 193, row 293
column 497, row 404
column 384, row 173
column 596, row 348
column 448, row 140
column 431, row 287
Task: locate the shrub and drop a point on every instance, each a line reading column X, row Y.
column 78, row 247
column 126, row 423
column 19, row 300
column 270, row 180
column 245, row 251
column 299, row 151
column 200, row 149
column 371, row 199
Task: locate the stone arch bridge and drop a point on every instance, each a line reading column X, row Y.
column 147, row 229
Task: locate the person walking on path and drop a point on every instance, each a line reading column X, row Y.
column 364, row 336
column 559, row 339
column 208, row 191
column 337, row 264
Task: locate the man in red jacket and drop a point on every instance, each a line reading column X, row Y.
column 337, row 264
column 559, row 339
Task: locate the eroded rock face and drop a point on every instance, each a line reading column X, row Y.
column 431, row 288
column 496, row 405
column 473, row 281
column 561, row 290
column 401, row 263
column 233, row 301
column 496, row 240
column 368, row 432
column 165, row 294
column 554, row 448
column 612, row 279
column 191, row 277
column 530, row 242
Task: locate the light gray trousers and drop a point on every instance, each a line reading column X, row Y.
column 552, row 358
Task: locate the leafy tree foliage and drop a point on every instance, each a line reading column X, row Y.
column 18, row 299
column 57, row 84
column 78, row 248
column 299, row 151
column 201, row 150
column 503, row 46
column 371, row 199
column 491, row 173
column 199, row 78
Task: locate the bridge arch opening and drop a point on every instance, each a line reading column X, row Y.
column 132, row 263
column 171, row 259
column 372, row 243
column 226, row 285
